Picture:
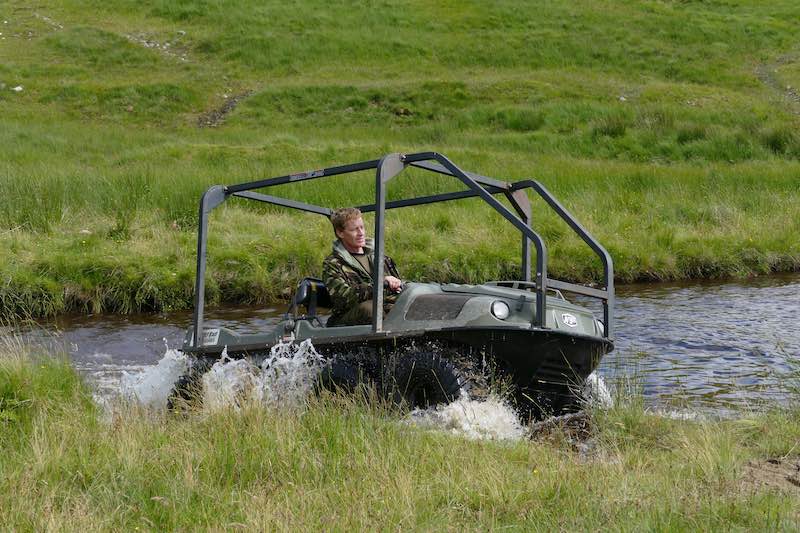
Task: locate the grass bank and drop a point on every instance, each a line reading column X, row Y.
column 673, row 140
column 339, row 464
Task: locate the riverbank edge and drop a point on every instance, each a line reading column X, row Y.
column 123, row 286
column 68, row 464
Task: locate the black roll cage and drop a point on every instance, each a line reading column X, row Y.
column 387, row 168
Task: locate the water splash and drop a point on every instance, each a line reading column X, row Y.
column 228, row 383
column 285, row 378
column 489, row 419
column 596, row 393
column 152, row 386
column 288, row 375
column 493, row 419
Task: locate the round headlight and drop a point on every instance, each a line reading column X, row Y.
column 500, row 309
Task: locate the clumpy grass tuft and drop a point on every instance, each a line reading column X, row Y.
column 35, row 386
column 781, row 140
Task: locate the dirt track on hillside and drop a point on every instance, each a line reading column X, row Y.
column 768, row 74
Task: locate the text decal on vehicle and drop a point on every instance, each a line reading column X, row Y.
column 210, row 336
column 569, row 320
column 307, row 175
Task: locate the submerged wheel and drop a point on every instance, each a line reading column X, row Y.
column 348, row 372
column 339, row 376
column 534, row 404
column 188, row 390
column 424, row 378
column 477, row 379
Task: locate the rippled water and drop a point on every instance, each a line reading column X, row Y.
column 706, row 347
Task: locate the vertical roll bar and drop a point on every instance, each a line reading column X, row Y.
column 390, row 166
column 605, row 257
column 522, row 204
column 210, row 199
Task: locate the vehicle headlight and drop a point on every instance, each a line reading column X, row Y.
column 500, row 309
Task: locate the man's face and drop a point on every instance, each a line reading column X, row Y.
column 353, row 236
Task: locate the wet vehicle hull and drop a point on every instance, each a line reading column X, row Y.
column 544, row 368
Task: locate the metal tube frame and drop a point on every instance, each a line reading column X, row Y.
column 387, row 168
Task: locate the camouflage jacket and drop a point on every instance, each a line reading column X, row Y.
column 347, row 281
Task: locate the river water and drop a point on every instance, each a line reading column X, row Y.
column 707, row 348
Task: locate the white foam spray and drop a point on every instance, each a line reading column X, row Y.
column 596, row 393
column 289, row 373
column 493, row 419
column 152, row 386
column 228, row 383
column 284, row 378
column 489, row 419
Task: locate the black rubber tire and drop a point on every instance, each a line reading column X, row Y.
column 339, row 376
column 424, row 378
column 533, row 405
column 188, row 389
column 476, row 379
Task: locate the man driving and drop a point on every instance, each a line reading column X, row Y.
column 347, row 272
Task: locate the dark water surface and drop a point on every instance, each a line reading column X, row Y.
column 710, row 346
column 706, row 347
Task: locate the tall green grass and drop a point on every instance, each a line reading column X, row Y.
column 337, row 463
column 667, row 128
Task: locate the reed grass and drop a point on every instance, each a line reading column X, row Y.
column 674, row 141
column 343, row 464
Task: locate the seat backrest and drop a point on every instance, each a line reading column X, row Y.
column 312, row 293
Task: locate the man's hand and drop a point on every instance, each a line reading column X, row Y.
column 393, row 283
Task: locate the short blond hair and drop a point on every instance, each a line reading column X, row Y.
column 340, row 217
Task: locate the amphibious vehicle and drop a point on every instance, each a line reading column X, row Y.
column 439, row 340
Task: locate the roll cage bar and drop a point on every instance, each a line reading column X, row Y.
column 387, row 168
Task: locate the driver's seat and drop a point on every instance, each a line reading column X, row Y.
column 311, row 293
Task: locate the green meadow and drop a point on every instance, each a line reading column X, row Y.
column 670, row 129
column 339, row 464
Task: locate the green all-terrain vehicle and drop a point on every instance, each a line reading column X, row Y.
column 438, row 340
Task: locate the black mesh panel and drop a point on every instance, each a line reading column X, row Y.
column 436, row 307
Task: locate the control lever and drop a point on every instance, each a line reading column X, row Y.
column 402, row 286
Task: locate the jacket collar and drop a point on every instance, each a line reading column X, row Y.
column 347, row 257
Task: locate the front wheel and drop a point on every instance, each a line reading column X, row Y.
column 423, row 379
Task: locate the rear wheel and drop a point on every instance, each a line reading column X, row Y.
column 188, row 390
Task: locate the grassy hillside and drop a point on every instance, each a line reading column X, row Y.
column 668, row 128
